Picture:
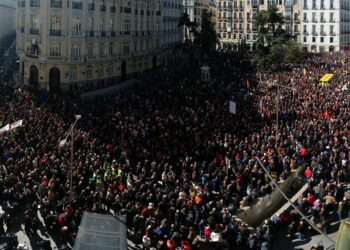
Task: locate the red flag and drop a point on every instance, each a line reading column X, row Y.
column 248, row 83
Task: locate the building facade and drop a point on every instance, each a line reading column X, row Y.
column 66, row 44
column 325, row 25
column 7, row 20
column 236, row 20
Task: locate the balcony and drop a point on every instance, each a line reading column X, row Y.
column 158, row 13
column 56, row 4
column 77, row 5
column 322, row 33
column 75, row 58
column 305, row 20
column 314, row 20
column 332, row 33
column 34, row 31
column 33, row 56
column 76, row 34
column 91, row 7
column 314, row 33
column 314, row 7
column 322, row 20
column 113, row 34
column 90, row 33
column 55, row 58
column 112, row 9
column 305, row 33
column 332, row 21
column 103, row 33
column 55, row 32
column 126, row 33
column 34, row 3
column 127, row 10
column 103, row 8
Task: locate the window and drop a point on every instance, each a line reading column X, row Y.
column 331, row 39
column 75, row 52
column 89, row 72
column 331, row 29
column 304, row 39
column 126, row 27
column 73, row 74
column 76, row 26
column 322, row 39
column 55, row 50
column 101, row 50
column 34, row 24
column 90, row 50
column 56, row 23
column 313, row 39
column 331, row 17
column 126, row 49
column 110, row 49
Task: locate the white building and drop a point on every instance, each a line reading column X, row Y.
column 325, row 25
column 69, row 44
column 7, row 20
column 236, row 20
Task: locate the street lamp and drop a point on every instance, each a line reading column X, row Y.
column 64, row 142
column 278, row 106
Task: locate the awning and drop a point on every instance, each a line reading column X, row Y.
column 325, row 79
column 101, row 232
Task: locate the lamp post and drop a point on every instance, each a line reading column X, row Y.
column 64, row 142
column 278, row 106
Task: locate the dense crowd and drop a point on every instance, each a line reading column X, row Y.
column 174, row 160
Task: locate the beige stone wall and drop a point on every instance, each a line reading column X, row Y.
column 135, row 32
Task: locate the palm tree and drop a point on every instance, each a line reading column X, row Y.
column 275, row 18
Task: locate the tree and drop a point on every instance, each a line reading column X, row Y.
column 293, row 53
column 206, row 39
column 190, row 27
column 274, row 45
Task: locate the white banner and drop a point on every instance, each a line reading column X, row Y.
column 16, row 124
column 4, row 129
column 232, row 107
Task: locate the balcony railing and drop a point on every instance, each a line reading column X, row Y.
column 56, row 4
column 55, row 32
column 90, row 33
column 91, row 6
column 103, row 33
column 77, row 5
column 76, row 34
column 127, row 10
column 33, row 31
column 103, row 7
column 34, row 3
column 113, row 34
column 112, row 9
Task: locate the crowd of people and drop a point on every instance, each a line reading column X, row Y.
column 175, row 161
